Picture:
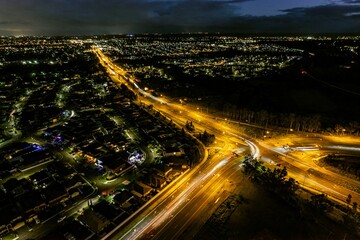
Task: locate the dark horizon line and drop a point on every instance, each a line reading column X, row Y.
column 243, row 34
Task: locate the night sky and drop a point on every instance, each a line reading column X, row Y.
column 88, row 17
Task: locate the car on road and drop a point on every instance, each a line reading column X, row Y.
column 61, row 219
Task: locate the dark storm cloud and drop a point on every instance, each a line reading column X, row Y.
column 351, row 1
column 329, row 18
column 53, row 17
column 322, row 19
column 96, row 16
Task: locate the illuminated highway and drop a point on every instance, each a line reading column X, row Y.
column 170, row 203
column 189, row 200
column 193, row 212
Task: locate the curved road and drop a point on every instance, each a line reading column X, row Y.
column 303, row 171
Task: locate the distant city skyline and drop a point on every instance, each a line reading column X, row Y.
column 91, row 17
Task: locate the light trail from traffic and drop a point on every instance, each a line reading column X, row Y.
column 343, row 148
column 297, row 168
column 173, row 206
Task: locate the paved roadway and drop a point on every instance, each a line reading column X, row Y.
column 300, row 169
column 183, row 194
column 204, row 199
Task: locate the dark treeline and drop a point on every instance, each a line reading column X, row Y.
column 289, row 121
column 265, row 119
